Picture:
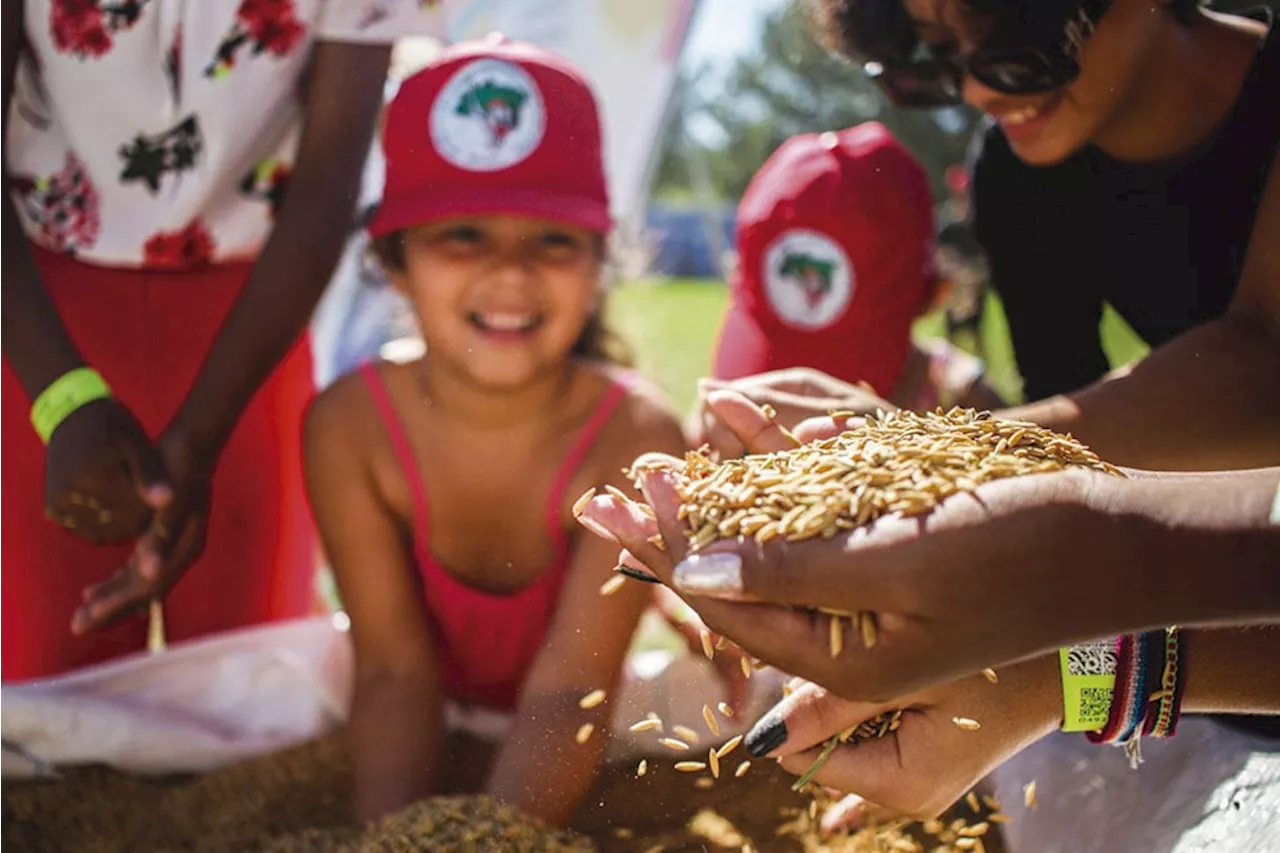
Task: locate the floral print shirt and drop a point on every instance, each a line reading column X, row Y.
column 161, row 133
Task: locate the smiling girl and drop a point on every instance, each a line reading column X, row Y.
column 443, row 488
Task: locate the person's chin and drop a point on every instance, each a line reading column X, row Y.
column 1048, row 149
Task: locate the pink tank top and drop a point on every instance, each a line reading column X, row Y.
column 487, row 642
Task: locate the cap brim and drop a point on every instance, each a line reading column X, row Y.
column 443, row 202
column 746, row 348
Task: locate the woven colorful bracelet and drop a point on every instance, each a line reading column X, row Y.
column 1129, row 701
column 1166, row 703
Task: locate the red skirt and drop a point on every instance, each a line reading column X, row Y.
column 148, row 333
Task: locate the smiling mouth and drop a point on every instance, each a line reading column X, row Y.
column 1022, row 115
column 504, row 321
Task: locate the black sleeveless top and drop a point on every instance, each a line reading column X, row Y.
column 1162, row 243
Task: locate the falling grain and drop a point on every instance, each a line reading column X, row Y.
column 725, row 710
column 729, row 746
column 746, row 667
column 713, row 761
column 686, row 734
column 867, row 625
column 691, row 766
column 647, row 725
column 837, row 636
column 708, row 646
column 155, row 627
column 712, row 724
column 965, row 723
column 990, row 675
column 642, row 768
column 584, row 732
column 613, row 584
column 972, row 799
column 672, row 743
column 1029, row 795
column 592, row 699
column 742, row 770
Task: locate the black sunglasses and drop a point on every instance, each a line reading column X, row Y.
column 1023, row 70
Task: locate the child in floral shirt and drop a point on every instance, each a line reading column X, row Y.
column 181, row 179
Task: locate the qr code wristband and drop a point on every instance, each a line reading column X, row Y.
column 66, row 394
column 1088, row 685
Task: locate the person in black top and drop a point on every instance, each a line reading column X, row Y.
column 1159, row 234
column 1130, row 161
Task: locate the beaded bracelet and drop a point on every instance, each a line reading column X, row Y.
column 1166, row 703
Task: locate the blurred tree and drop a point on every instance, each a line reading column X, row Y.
column 789, row 85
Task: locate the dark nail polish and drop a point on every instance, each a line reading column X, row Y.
column 637, row 575
column 767, row 735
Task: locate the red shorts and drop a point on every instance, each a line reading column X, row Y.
column 148, row 333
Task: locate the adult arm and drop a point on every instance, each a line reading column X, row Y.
column 282, row 290
column 99, row 454
column 35, row 342
column 299, row 257
column 1023, row 566
column 929, row 762
column 396, row 726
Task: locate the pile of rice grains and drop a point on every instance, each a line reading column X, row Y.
column 896, row 463
column 295, row 801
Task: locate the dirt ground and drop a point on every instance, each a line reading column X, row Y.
column 299, row 800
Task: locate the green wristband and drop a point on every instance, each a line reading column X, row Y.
column 68, row 392
column 1088, row 682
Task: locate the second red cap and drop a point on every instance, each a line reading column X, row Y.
column 835, row 241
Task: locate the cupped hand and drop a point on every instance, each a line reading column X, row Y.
column 987, row 578
column 104, row 479
column 947, row 739
column 796, row 395
column 173, row 541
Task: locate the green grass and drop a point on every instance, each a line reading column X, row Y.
column 672, row 326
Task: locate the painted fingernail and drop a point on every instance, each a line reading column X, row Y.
column 716, row 575
column 767, row 735
column 637, row 575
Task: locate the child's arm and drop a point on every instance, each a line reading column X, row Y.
column 542, row 769
column 396, row 714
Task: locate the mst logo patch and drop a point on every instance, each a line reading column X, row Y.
column 489, row 116
column 807, row 279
